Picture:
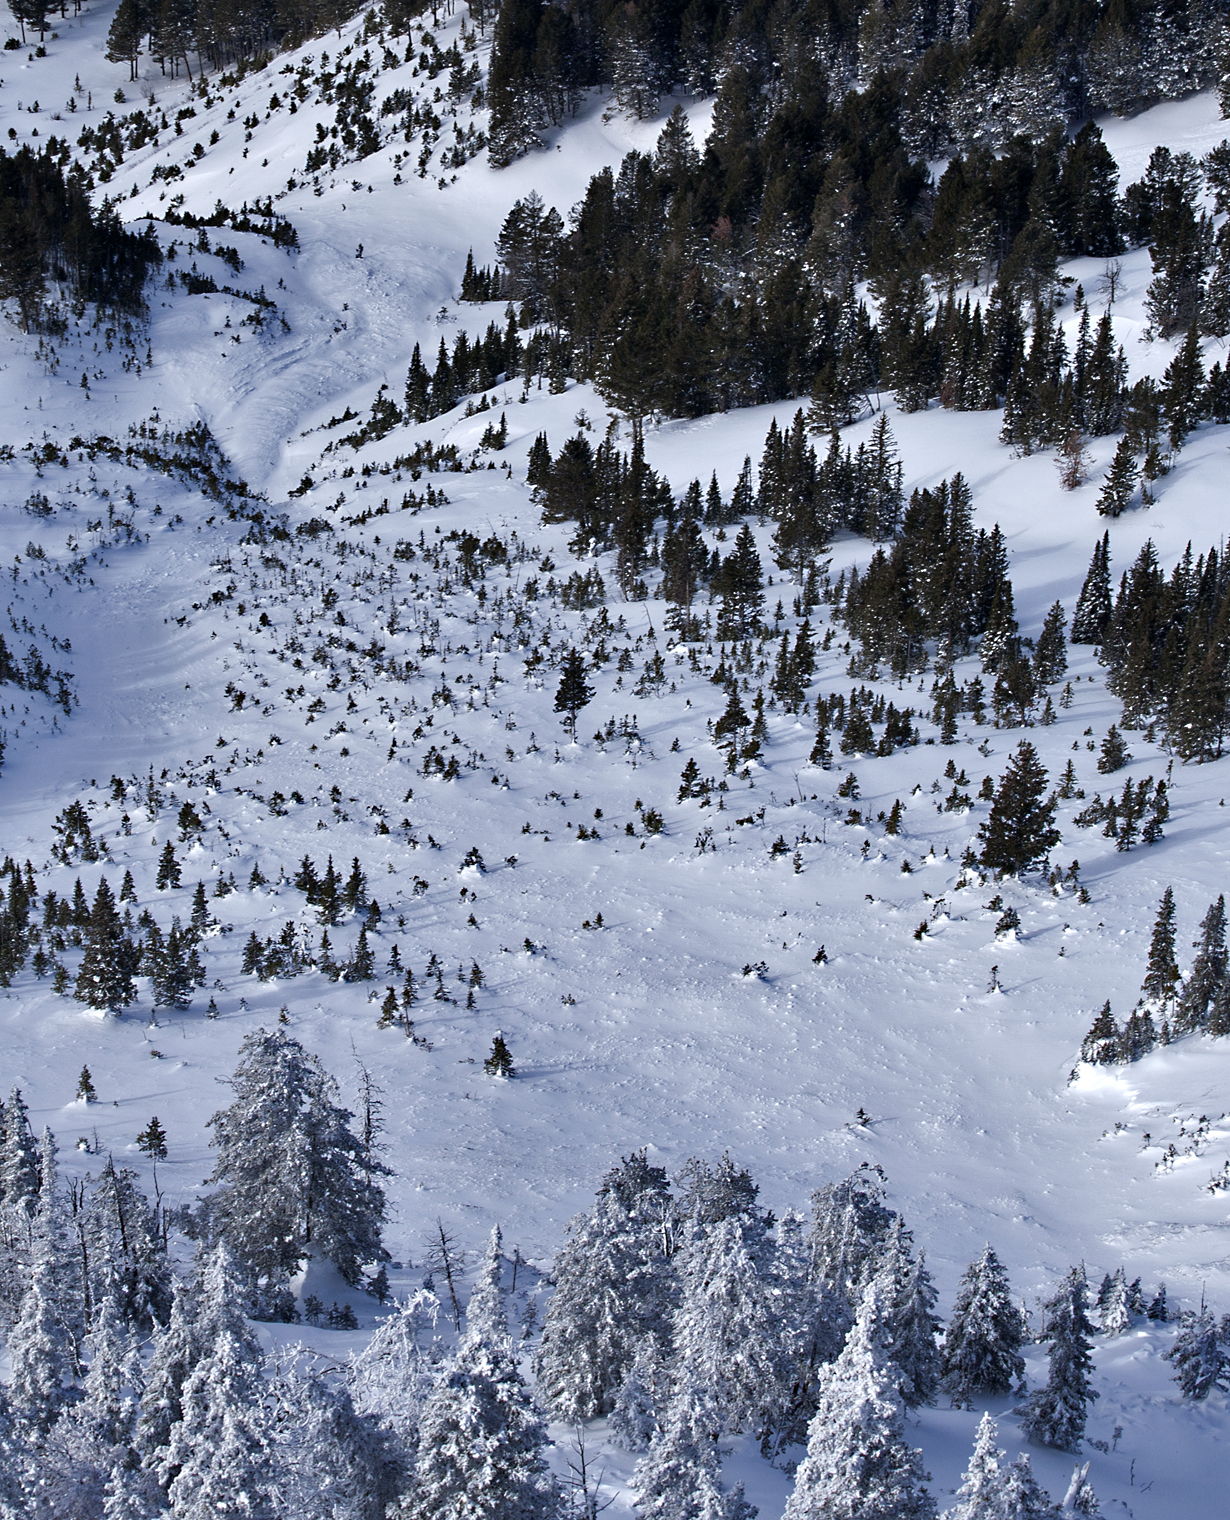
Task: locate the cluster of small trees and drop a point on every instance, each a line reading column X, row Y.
column 1162, row 641
column 687, row 1316
column 1196, row 1004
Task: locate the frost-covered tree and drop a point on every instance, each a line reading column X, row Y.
column 814, row 1324
column 849, row 1233
column 633, row 1423
column 613, row 1288
column 909, row 1298
column 1115, row 1305
column 858, row 1464
column 39, row 1348
column 1199, row 1355
column 328, row 1463
column 221, row 1451
column 291, row 1178
column 393, row 1376
column 481, row 1443
column 486, row 1317
column 727, row 1324
column 680, row 1477
column 992, row 1491
column 176, row 1351
column 118, row 1235
column 982, row 1345
column 1055, row 1414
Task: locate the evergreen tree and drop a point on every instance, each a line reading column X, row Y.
column 39, row 1348
column 1183, row 388
column 1103, row 1045
column 1050, row 653
column 574, row 691
column 486, row 1317
column 858, row 1465
column 633, row 1422
column 1120, row 484
column 726, row 1327
column 614, row 1289
column 991, row 1491
column 1200, row 1356
column 500, row 1062
column 851, row 1227
column 1055, row 1414
column 170, row 872
column 1162, row 970
column 221, row 1451
column 290, row 1178
column 1208, row 970
column 739, row 583
column 481, row 1443
column 105, row 977
column 1114, row 752
column 1021, row 827
column 1093, row 607
column 909, row 1299
column 19, row 1180
column 982, row 1344
column 679, row 1478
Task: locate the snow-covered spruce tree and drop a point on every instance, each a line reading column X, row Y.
column 481, row 1443
column 486, row 1316
column 291, row 1179
column 221, row 1452
column 93, row 1436
column 328, row 1463
column 680, row 1476
column 176, row 1352
column 814, row 1324
column 633, row 1421
column 1200, row 1355
column 858, row 1465
column 105, row 976
column 982, row 1345
column 727, row 1324
column 1094, row 605
column 849, row 1234
column 38, row 1344
column 1114, row 1306
column 909, row 1299
column 614, row 1286
column 393, row 1376
column 1055, row 1414
column 118, row 1235
column 991, row 1491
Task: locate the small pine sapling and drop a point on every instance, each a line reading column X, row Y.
column 500, row 1062
column 85, row 1087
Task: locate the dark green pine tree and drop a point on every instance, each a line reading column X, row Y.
column 363, row 964
column 328, row 896
column 1021, row 827
column 684, row 556
column 574, row 691
column 1208, row 971
column 153, row 1140
column 354, row 894
column 1183, row 387
column 742, row 597
column 1103, row 395
column 168, row 869
column 1121, row 480
column 1162, row 970
column 1114, row 754
column 198, row 922
column 1051, row 653
column 105, row 977
column 1093, row 606
column 418, row 388
column 171, row 971
column 1102, row 1046
column 500, row 1062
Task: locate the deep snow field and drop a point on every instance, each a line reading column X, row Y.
column 644, row 1031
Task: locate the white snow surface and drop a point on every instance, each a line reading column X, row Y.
column 643, row 1032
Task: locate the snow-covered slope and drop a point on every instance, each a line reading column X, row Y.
column 656, row 1028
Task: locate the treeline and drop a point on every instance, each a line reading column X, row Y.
column 50, row 232
column 741, row 291
column 958, row 74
